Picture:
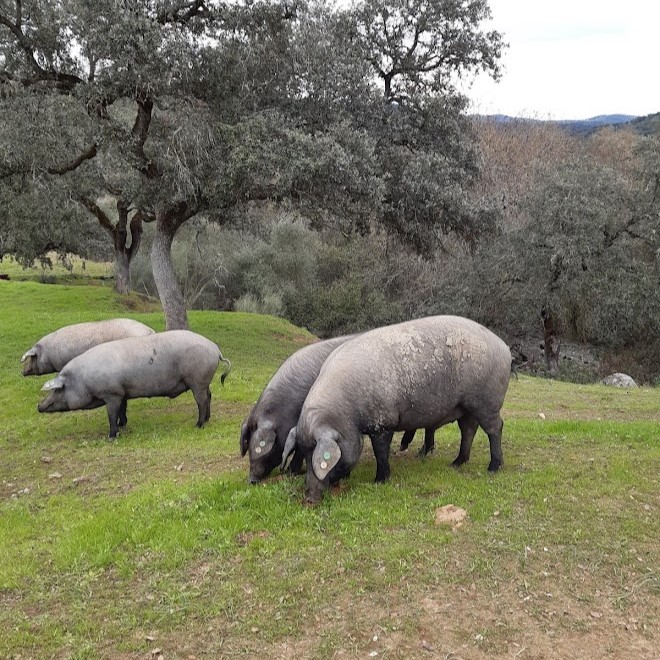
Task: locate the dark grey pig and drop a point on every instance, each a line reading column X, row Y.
column 419, row 374
column 162, row 364
column 266, row 428
column 53, row 351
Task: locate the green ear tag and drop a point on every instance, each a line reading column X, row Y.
column 262, row 443
column 326, row 455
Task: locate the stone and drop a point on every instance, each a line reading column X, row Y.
column 619, row 380
column 450, row 515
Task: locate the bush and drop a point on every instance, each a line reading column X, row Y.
column 271, row 304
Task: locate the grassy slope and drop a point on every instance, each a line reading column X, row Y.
column 79, row 271
column 156, row 540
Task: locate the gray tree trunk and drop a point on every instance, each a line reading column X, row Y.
column 122, row 272
column 124, row 253
column 119, row 234
column 169, row 290
column 551, row 342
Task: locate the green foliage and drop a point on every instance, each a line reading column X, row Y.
column 157, row 541
column 577, row 235
column 326, row 282
column 331, row 175
column 178, row 109
column 51, row 222
column 648, row 125
column 589, row 254
column 418, row 48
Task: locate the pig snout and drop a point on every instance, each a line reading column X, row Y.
column 314, row 489
column 52, row 404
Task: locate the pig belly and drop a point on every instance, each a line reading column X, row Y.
column 414, row 418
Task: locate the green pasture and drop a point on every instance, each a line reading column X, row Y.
column 156, row 545
column 71, row 270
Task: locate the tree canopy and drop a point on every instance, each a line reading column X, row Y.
column 171, row 108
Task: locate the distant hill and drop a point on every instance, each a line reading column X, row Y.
column 591, row 125
column 647, row 125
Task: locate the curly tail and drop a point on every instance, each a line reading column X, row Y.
column 227, row 370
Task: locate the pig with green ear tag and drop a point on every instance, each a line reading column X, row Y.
column 265, row 429
column 330, row 457
column 419, row 374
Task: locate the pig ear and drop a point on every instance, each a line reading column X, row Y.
column 325, row 456
column 54, row 384
column 245, row 438
column 289, row 446
column 266, row 441
column 31, row 353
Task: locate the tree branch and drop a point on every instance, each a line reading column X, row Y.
column 145, row 216
column 75, row 163
column 64, row 80
column 140, row 132
column 175, row 215
column 413, row 46
column 136, row 235
column 184, row 12
column 100, row 215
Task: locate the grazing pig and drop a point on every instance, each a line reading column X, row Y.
column 162, row 364
column 53, row 351
column 266, row 428
column 418, row 374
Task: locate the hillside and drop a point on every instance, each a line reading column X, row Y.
column 589, row 126
column 647, row 125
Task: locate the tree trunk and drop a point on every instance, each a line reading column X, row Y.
column 551, row 342
column 169, row 290
column 124, row 254
column 122, row 273
column 119, row 235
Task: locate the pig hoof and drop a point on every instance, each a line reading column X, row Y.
column 494, row 466
column 459, row 461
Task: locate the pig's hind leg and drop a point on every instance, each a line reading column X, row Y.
column 114, row 406
column 123, row 420
column 203, row 398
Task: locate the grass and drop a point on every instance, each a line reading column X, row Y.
column 156, row 541
column 71, row 270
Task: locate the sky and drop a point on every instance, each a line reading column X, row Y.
column 573, row 59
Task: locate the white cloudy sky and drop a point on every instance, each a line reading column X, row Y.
column 574, row 59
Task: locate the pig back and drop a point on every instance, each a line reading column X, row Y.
column 161, row 364
column 67, row 343
column 287, row 389
column 414, row 373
